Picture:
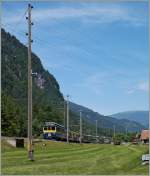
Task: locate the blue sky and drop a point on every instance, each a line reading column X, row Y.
column 98, row 52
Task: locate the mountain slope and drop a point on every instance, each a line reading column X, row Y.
column 141, row 117
column 14, row 73
column 106, row 121
column 48, row 101
column 47, row 97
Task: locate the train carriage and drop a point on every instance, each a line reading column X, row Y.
column 55, row 131
column 52, row 130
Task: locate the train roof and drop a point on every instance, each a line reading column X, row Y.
column 53, row 124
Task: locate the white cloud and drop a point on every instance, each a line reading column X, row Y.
column 95, row 82
column 131, row 91
column 143, row 86
column 106, row 14
column 101, row 14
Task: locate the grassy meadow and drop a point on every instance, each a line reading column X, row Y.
column 62, row 158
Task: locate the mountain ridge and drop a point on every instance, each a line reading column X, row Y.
column 140, row 116
column 106, row 121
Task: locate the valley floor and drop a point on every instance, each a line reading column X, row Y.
column 62, row 158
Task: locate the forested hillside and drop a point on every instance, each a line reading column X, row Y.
column 106, row 121
column 47, row 98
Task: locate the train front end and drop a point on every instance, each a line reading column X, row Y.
column 54, row 131
column 49, row 131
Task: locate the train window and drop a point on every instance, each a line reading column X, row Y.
column 45, row 128
column 59, row 129
column 53, row 128
column 49, row 128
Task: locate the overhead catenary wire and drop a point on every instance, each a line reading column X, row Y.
column 45, row 42
column 19, row 21
column 37, row 40
column 19, row 32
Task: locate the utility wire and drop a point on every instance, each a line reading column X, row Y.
column 19, row 21
column 45, row 42
column 37, row 39
column 11, row 28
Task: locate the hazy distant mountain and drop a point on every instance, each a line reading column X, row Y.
column 141, row 117
column 106, row 121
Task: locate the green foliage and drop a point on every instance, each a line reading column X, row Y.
column 124, row 137
column 14, row 88
column 10, row 116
